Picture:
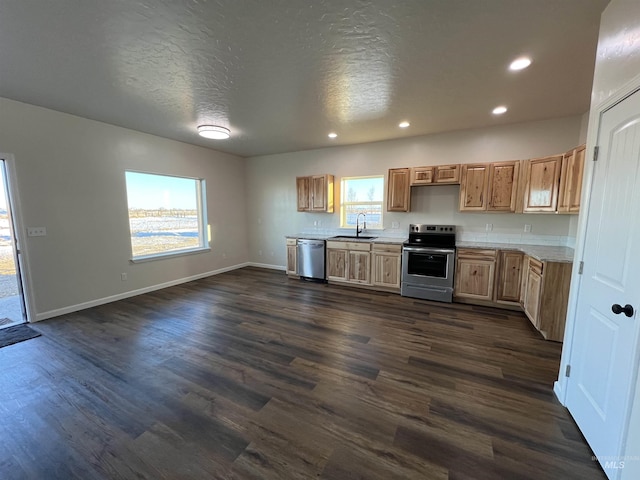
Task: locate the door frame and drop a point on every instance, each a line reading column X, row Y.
column 593, row 131
column 18, row 229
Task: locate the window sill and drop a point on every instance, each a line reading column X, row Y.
column 160, row 256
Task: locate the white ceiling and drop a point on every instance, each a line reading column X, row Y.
column 282, row 74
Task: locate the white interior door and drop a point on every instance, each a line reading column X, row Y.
column 604, row 359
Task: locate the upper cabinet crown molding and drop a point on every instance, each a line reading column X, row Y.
column 315, row 193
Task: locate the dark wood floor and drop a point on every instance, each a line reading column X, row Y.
column 250, row 375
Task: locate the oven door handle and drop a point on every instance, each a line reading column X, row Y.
column 428, row 250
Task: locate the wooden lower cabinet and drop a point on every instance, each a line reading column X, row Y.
column 509, row 277
column 386, row 265
column 292, row 256
column 546, row 295
column 474, row 276
column 349, row 262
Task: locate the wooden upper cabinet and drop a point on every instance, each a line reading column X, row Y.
column 315, row 193
column 447, row 174
column 541, row 188
column 399, row 190
column 436, row 175
column 571, row 180
column 503, row 186
column 304, row 193
column 422, row 175
column 474, row 186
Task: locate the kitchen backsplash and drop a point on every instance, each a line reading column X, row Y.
column 463, row 236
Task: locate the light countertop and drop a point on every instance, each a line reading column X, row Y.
column 544, row 253
column 381, row 239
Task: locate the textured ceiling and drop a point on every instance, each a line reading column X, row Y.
column 281, row 74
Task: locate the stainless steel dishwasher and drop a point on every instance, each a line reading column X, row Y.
column 311, row 259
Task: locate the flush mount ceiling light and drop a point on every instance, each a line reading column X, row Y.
column 520, row 63
column 214, row 131
column 499, row 110
column 404, row 124
column 332, row 135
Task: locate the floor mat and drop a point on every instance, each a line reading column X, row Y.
column 19, row 333
column 5, row 321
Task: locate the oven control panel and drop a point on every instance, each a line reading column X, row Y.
column 425, row 228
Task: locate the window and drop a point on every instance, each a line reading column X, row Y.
column 166, row 214
column 361, row 195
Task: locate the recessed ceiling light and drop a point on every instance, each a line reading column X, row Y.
column 499, row 110
column 332, row 135
column 404, row 124
column 214, row 132
column 520, row 63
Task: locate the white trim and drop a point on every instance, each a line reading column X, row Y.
column 121, row 296
column 170, row 254
column 16, row 215
column 266, row 265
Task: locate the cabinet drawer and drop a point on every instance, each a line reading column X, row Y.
column 292, row 241
column 535, row 266
column 357, row 246
column 387, row 247
column 476, row 253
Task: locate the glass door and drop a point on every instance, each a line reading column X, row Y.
column 12, row 306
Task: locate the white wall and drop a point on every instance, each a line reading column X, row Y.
column 71, row 180
column 272, row 195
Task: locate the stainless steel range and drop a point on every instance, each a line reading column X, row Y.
column 428, row 261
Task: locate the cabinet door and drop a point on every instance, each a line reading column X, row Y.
column 503, row 186
column 474, row 278
column 447, row 174
column 532, row 297
column 532, row 291
column 359, row 267
column 398, row 190
column 292, row 259
column 304, row 193
column 386, row 269
column 541, row 190
column 421, row 175
column 318, row 193
column 509, row 278
column 336, row 264
column 571, row 181
column 473, row 187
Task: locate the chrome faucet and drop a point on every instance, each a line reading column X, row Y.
column 364, row 224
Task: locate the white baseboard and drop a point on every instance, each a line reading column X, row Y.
column 121, row 296
column 266, row 265
column 557, row 389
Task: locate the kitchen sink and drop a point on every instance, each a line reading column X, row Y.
column 352, row 237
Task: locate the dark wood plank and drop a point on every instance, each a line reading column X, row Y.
column 252, row 375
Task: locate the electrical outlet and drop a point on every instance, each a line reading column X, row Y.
column 259, row 253
column 395, row 224
column 527, row 228
column 36, row 232
column 123, row 277
column 489, row 227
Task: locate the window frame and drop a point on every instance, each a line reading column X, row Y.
column 204, row 234
column 344, row 203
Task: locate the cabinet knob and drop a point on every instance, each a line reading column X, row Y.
column 627, row 309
